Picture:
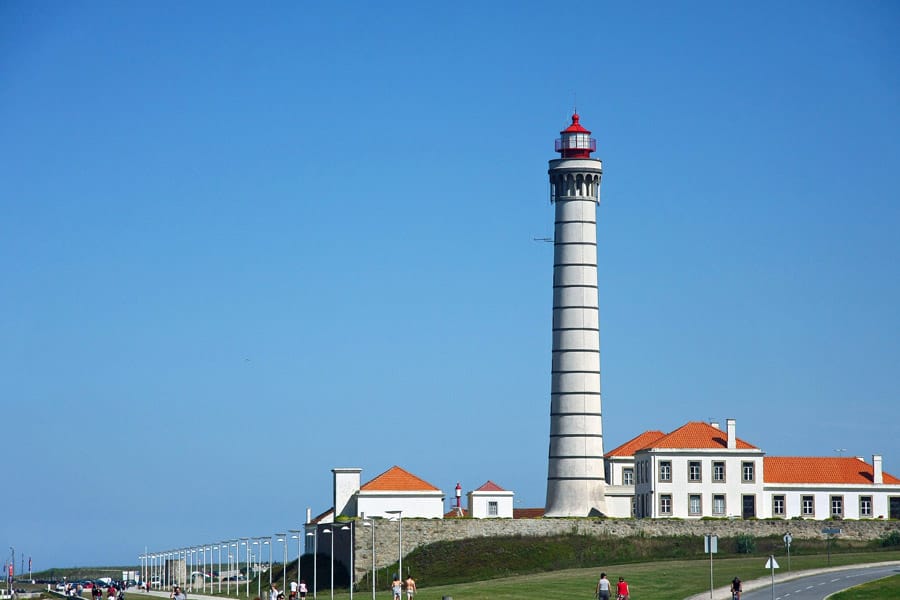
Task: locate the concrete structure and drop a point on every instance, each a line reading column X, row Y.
column 575, row 478
column 490, row 501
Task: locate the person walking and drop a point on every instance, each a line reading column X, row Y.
column 395, row 587
column 603, row 587
column 273, row 591
column 410, row 587
column 622, row 591
column 736, row 588
column 293, row 590
column 302, row 589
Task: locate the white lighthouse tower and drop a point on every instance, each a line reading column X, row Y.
column 575, row 479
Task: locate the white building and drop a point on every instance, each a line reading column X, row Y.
column 700, row 471
column 490, row 501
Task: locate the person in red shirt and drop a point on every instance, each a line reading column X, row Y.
column 622, row 591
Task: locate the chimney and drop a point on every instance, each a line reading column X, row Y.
column 715, row 424
column 308, row 514
column 732, row 440
column 878, row 474
column 346, row 485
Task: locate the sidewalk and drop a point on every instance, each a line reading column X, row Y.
column 763, row 582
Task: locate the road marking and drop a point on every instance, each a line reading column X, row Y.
column 809, row 587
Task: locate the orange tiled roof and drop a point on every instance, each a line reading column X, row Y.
column 455, row 514
column 528, row 513
column 829, row 469
column 396, row 479
column 490, row 486
column 698, row 434
column 642, row 441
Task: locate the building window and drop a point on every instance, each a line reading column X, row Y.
column 719, row 504
column 665, row 504
column 865, row 506
column 665, row 470
column 807, row 506
column 718, row 471
column 694, row 470
column 492, row 509
column 778, row 506
column 628, row 476
column 694, row 504
column 837, row 506
column 747, row 471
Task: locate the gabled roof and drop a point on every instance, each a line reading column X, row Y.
column 828, row 469
column 631, row 446
column 328, row 513
column 453, row 513
column 396, row 479
column 698, row 435
column 490, row 486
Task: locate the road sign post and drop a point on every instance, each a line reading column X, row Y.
column 788, row 538
column 772, row 564
column 829, row 533
column 711, row 545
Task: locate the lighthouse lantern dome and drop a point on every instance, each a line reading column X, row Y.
column 575, row 141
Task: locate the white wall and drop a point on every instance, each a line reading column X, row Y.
column 428, row 505
column 478, row 504
column 680, row 488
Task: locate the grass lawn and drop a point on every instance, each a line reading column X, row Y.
column 666, row 580
column 883, row 589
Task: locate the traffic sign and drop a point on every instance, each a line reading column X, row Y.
column 788, row 538
column 711, row 544
column 772, row 563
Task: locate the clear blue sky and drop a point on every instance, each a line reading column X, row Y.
column 242, row 245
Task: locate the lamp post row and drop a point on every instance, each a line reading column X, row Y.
column 157, row 568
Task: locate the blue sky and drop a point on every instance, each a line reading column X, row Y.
column 245, row 244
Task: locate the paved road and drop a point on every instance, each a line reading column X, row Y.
column 817, row 587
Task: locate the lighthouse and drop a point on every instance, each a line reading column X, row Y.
column 575, row 479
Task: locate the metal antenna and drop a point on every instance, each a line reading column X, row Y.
column 543, row 239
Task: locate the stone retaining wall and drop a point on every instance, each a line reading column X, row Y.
column 418, row 532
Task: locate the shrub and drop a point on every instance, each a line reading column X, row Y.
column 744, row 544
column 892, row 538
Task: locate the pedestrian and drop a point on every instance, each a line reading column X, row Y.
column 293, row 590
column 302, row 589
column 410, row 587
column 736, row 588
column 273, row 592
column 395, row 587
column 603, row 587
column 622, row 591
column 177, row 594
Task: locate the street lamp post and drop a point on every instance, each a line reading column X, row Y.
column 282, row 537
column 331, row 533
column 256, row 542
column 246, row 543
column 371, row 523
column 315, row 537
column 352, row 552
column 399, row 514
column 299, row 538
column 268, row 542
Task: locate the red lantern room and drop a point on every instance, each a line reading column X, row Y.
column 575, row 141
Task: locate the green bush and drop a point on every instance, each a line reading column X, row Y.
column 745, row 544
column 891, row 538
